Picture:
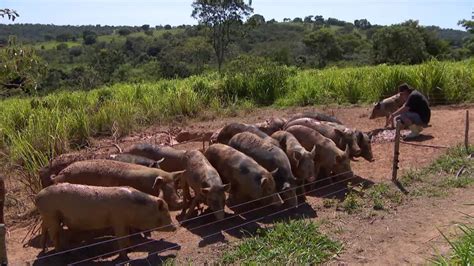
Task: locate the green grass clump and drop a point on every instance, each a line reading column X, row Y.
column 293, row 242
column 462, row 250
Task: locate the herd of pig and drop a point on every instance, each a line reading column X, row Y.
column 270, row 163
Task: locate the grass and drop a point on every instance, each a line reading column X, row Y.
column 441, row 174
column 294, row 242
column 34, row 130
column 462, row 249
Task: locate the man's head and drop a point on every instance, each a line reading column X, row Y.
column 404, row 91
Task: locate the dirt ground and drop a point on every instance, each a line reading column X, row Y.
column 405, row 235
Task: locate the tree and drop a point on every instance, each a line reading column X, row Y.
column 145, row 27
column 297, row 20
column 223, row 17
column 124, row 32
column 9, row 13
column 308, row 19
column 319, row 20
column 324, row 45
column 399, row 44
column 256, row 20
column 89, row 37
column 287, row 20
column 468, row 24
column 362, row 24
column 21, row 68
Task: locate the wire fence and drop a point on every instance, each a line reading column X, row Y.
column 227, row 218
column 180, row 223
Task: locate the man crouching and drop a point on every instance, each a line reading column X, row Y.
column 415, row 113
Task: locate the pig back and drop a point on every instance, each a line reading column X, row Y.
column 174, row 159
column 232, row 129
column 87, row 207
column 267, row 155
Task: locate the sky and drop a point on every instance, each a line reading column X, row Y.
column 442, row 13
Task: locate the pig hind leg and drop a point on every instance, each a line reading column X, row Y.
column 121, row 231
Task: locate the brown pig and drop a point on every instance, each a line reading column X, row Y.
column 173, row 158
column 315, row 115
column 84, row 208
column 108, row 173
column 206, row 183
column 136, row 159
column 248, row 180
column 331, row 158
column 232, row 129
column 386, row 107
column 341, row 135
column 301, row 160
column 363, row 140
column 270, row 157
column 271, row 125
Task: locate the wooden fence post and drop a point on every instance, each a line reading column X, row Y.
column 466, row 133
column 3, row 229
column 396, row 149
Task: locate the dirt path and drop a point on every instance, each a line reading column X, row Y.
column 411, row 235
column 399, row 238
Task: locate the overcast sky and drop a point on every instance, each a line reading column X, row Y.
column 445, row 13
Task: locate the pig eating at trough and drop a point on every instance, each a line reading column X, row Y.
column 83, row 208
column 270, row 157
column 342, row 136
column 248, row 180
column 108, row 173
column 206, row 183
column 331, row 158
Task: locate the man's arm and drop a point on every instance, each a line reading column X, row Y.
column 401, row 110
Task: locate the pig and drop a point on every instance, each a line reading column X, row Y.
column 234, row 128
column 62, row 161
column 315, row 115
column 363, row 140
column 332, row 159
column 270, row 157
column 301, row 160
column 206, row 183
column 386, row 107
column 136, row 159
column 84, row 208
column 174, row 159
column 271, row 125
column 108, row 173
column 248, row 180
column 341, row 135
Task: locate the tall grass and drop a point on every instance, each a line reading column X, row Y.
column 34, row 130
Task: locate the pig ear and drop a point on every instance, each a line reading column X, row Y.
column 160, row 161
column 158, row 182
column 297, row 156
column 347, row 152
column 313, row 151
column 338, row 132
column 177, row 175
column 286, row 186
column 263, row 182
column 226, row 187
column 113, row 156
column 274, row 171
column 205, row 190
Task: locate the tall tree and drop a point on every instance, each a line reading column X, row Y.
column 324, row 44
column 222, row 17
column 9, row 13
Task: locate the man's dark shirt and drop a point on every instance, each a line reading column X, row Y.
column 418, row 103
